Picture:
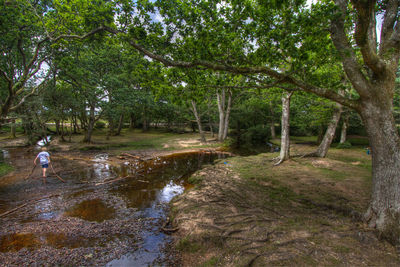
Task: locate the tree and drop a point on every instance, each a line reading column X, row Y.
column 285, row 136
column 30, row 30
column 221, row 40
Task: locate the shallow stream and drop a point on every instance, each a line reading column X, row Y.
column 105, row 214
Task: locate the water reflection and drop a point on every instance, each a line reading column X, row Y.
column 148, row 186
column 44, row 141
column 92, row 210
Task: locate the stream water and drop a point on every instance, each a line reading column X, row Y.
column 95, row 218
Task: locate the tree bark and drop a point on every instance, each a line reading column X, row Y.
column 13, row 129
column 329, row 134
column 198, row 120
column 227, row 114
column 384, row 209
column 221, row 107
column 120, row 123
column 90, row 126
column 57, row 126
column 343, row 132
column 224, row 110
column 131, row 121
column 285, row 137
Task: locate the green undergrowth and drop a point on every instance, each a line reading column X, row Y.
column 5, row 168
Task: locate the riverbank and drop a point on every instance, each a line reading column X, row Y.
column 307, row 211
column 109, row 211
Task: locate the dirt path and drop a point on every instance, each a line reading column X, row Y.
column 244, row 212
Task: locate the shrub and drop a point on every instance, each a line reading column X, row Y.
column 100, row 125
column 255, row 135
column 344, row 145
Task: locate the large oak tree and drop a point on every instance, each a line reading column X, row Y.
column 257, row 37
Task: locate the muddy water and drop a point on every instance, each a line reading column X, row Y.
column 103, row 215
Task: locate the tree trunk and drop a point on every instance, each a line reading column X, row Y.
column 227, row 113
column 343, row 132
column 90, row 126
column 13, row 129
column 131, row 121
column 198, row 120
column 111, row 127
column 221, row 107
column 329, row 134
column 224, row 110
column 62, row 130
column 384, row 209
column 57, row 126
column 285, row 138
column 120, row 123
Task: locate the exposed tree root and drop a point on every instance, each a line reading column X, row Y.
column 129, row 156
column 280, row 161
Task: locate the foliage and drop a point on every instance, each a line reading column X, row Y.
column 249, row 122
column 344, row 145
column 99, row 125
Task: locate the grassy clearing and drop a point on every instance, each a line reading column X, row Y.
column 304, row 212
column 136, row 140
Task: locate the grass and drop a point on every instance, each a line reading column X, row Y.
column 5, row 168
column 308, row 204
column 154, row 139
column 186, row 245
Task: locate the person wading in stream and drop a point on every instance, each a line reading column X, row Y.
column 44, row 158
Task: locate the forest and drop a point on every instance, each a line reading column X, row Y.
column 293, row 108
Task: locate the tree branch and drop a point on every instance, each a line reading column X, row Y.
column 19, row 44
column 282, row 78
column 80, row 37
column 365, row 35
column 349, row 59
column 389, row 20
column 31, row 93
column 4, row 74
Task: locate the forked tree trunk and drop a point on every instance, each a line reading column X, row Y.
column 198, row 120
column 224, row 112
column 285, row 138
column 384, row 209
column 343, row 132
column 329, row 134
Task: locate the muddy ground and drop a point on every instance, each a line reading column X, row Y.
column 305, row 212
